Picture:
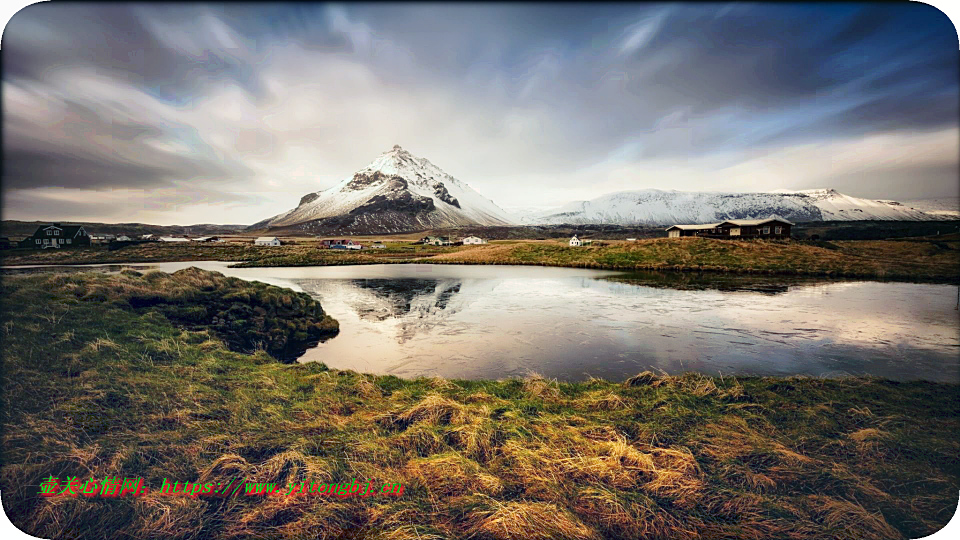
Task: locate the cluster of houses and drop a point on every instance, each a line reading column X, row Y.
column 447, row 241
column 346, row 243
column 57, row 235
column 177, row 239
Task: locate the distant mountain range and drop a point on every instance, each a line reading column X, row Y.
column 397, row 192
column 658, row 207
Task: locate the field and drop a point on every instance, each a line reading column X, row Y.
column 98, row 381
column 935, row 258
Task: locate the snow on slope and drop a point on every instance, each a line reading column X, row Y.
column 396, row 192
column 836, row 206
column 945, row 207
column 658, row 207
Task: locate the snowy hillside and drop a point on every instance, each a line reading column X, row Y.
column 836, row 206
column 396, row 192
column 945, row 208
column 658, row 207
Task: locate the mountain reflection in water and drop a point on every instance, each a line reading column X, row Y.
column 417, row 305
column 475, row 322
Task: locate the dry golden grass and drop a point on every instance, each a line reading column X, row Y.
column 657, row 456
column 533, row 520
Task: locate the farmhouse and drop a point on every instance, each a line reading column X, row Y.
column 773, row 227
column 56, row 235
column 575, row 241
column 473, row 240
column 102, row 238
column 333, row 243
column 267, row 241
column 436, row 241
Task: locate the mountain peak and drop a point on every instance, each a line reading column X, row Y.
column 397, row 191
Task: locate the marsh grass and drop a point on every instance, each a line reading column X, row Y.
column 94, row 386
column 911, row 260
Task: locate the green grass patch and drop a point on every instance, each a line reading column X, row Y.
column 95, row 384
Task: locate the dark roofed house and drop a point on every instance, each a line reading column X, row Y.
column 56, row 235
column 773, row 227
column 337, row 243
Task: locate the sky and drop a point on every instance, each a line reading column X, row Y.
column 205, row 113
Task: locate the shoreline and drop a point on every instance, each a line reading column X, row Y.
column 933, row 261
column 674, row 269
column 151, row 390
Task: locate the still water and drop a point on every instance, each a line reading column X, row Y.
column 501, row 321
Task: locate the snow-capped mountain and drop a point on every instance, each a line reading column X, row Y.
column 658, row 207
column 397, row 192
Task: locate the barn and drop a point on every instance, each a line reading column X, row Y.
column 773, row 228
column 267, row 241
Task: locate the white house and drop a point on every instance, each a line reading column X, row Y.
column 267, row 241
column 473, row 240
column 378, row 245
column 436, row 241
column 123, row 238
column 575, row 241
column 172, row 239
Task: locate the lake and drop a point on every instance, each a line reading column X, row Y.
column 476, row 322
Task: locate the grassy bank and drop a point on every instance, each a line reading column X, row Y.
column 99, row 386
column 915, row 259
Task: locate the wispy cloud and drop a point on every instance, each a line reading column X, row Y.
column 231, row 113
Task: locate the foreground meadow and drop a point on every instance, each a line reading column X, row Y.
column 909, row 260
column 170, row 376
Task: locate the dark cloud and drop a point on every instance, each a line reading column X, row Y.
column 147, row 96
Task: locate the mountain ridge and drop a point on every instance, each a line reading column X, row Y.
column 666, row 207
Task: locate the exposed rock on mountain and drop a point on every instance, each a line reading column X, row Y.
column 398, row 192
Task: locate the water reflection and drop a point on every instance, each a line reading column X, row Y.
column 497, row 321
column 417, row 305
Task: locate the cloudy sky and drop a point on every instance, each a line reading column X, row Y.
column 204, row 113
